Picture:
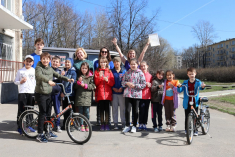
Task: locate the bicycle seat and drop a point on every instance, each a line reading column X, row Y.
column 204, row 99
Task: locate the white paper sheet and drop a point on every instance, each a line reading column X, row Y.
column 154, row 40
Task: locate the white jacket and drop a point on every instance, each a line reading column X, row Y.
column 29, row 85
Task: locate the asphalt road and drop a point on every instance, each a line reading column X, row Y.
column 219, row 141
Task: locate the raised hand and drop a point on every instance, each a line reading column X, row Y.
column 114, row 41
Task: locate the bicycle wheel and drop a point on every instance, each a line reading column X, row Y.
column 206, row 122
column 190, row 129
column 74, row 126
column 29, row 123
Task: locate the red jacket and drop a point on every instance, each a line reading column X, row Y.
column 103, row 88
column 146, row 92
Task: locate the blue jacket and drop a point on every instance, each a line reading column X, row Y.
column 71, row 74
column 96, row 65
column 186, row 98
column 56, row 89
column 118, row 79
column 36, row 60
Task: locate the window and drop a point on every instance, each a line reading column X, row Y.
column 221, row 45
column 213, row 55
column 213, row 61
column 213, row 49
column 227, row 46
column 6, row 50
column 7, row 4
column 218, row 52
column 233, row 42
column 218, row 46
column 227, row 52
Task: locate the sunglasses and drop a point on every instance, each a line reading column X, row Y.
column 104, row 52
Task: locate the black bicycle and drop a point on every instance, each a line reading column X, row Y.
column 197, row 120
column 73, row 125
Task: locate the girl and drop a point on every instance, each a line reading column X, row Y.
column 104, row 52
column 71, row 74
column 170, row 100
column 146, row 97
column 156, row 99
column 84, row 89
column 104, row 82
column 130, row 55
column 134, row 81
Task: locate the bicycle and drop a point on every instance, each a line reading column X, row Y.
column 29, row 123
column 197, row 120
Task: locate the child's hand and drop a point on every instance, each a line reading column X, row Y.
column 83, row 85
column 101, row 73
column 160, row 86
column 115, row 90
column 106, row 79
column 51, row 83
column 179, row 85
column 171, row 85
column 63, row 73
column 120, row 90
column 61, row 95
column 70, row 80
column 203, row 85
column 148, row 42
column 24, row 79
column 148, row 84
column 80, row 79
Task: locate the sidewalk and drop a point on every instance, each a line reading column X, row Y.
column 219, row 142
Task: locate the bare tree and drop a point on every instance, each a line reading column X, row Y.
column 204, row 32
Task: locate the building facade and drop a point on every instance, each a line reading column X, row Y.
column 178, row 62
column 218, row 54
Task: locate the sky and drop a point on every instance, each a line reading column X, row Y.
column 220, row 13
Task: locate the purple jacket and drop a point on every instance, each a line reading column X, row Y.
column 176, row 99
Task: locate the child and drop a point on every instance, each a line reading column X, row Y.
column 170, row 100
column 44, row 74
column 55, row 94
column 84, row 89
column 192, row 83
column 25, row 78
column 156, row 93
column 39, row 45
column 104, row 81
column 134, row 81
column 146, row 97
column 118, row 98
column 70, row 73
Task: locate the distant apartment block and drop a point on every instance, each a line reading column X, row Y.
column 218, row 54
column 178, row 62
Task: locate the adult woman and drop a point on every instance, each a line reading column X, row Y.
column 130, row 55
column 80, row 57
column 104, row 52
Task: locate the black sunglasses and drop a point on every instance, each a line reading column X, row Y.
column 104, row 52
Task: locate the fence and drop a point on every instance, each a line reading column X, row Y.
column 8, row 70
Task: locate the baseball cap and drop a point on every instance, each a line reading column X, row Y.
column 29, row 56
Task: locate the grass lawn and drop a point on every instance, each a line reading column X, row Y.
column 213, row 83
column 223, row 103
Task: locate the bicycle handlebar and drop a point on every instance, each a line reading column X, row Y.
column 186, row 88
column 64, row 89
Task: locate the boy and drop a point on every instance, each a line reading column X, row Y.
column 39, row 45
column 44, row 75
column 156, row 99
column 55, row 95
column 25, row 78
column 192, row 83
column 117, row 89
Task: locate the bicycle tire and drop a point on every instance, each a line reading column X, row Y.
column 206, row 122
column 73, row 127
column 190, row 128
column 31, row 116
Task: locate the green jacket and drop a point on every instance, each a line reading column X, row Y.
column 43, row 75
column 83, row 96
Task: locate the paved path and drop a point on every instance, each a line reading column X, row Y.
column 219, row 142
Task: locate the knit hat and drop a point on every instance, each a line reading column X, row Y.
column 71, row 61
column 117, row 59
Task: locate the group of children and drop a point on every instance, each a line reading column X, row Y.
column 130, row 87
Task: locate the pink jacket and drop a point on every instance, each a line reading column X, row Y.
column 146, row 92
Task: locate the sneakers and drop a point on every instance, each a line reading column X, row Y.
column 107, row 127
column 141, row 127
column 160, row 128
column 126, row 129
column 58, row 129
column 115, row 126
column 172, row 128
column 102, row 127
column 123, row 126
column 82, row 128
column 20, row 131
column 168, row 128
column 87, row 129
column 195, row 133
column 156, row 129
column 144, row 127
column 133, row 129
column 52, row 135
column 41, row 138
column 31, row 129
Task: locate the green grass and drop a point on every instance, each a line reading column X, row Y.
column 213, row 83
column 216, row 88
column 227, row 99
column 226, row 110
